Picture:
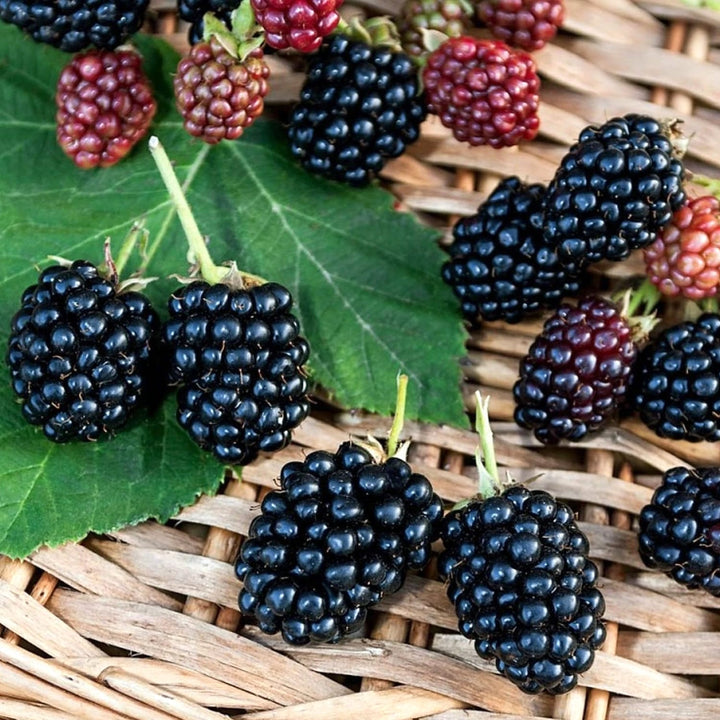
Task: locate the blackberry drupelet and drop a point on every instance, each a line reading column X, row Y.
column 523, row 587
column 679, row 531
column 359, row 106
column 676, row 381
column 576, row 372
column 72, row 26
column 617, row 186
column 193, row 11
column 527, row 24
column 239, row 356
column 80, row 353
column 339, row 535
column 500, row 266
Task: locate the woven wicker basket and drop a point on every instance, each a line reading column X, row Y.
column 143, row 623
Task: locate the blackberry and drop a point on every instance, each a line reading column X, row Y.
column 359, row 106
column 71, row 25
column 193, row 11
column 239, row 355
column 679, row 531
column 80, row 353
column 523, row 587
column 527, row 24
column 676, row 381
column 576, row 372
column 340, row 534
column 501, row 268
column 617, row 186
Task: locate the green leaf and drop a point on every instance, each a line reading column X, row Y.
column 366, row 280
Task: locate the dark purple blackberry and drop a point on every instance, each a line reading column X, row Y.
column 239, row 356
column 576, row 372
column 501, row 268
column 80, row 353
column 676, row 381
column 339, row 535
column 617, row 186
column 193, row 11
column 359, row 106
column 679, row 530
column 523, row 587
column 72, row 25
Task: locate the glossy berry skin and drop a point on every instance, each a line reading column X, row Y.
column 450, row 17
column 484, row 91
column 526, row 24
column 500, row 266
column 576, row 372
column 614, row 190
column 73, row 26
column 105, row 105
column 679, row 530
column 238, row 357
column 523, row 588
column 297, row 24
column 339, row 535
column 359, row 106
column 218, row 95
column 676, row 381
column 193, row 11
column 684, row 260
column 80, row 353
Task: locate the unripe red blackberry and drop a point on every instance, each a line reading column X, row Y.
column 297, row 24
column 80, row 353
column 218, row 94
column 104, row 106
column 684, row 260
column 526, row 24
column 576, row 372
column 485, row 92
column 450, row 17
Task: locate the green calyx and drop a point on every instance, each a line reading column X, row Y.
column 637, row 307
column 378, row 31
column 244, row 35
column 712, row 185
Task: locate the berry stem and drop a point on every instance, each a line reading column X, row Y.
column 488, row 475
column 137, row 231
column 399, row 418
column 712, row 184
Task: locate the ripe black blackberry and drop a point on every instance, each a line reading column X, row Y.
column 193, row 11
column 359, row 106
column 680, row 528
column 72, row 26
column 80, row 352
column 676, row 381
column 239, row 355
column 501, row 268
column 340, row 534
column 617, row 186
column 518, row 574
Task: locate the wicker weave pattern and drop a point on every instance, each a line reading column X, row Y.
column 143, row 623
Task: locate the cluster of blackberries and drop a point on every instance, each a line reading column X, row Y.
column 84, row 356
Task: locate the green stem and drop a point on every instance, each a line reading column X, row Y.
column 399, row 418
column 131, row 240
column 488, row 475
column 712, row 184
column 211, row 272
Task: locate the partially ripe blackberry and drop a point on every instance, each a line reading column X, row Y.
column 297, row 24
column 576, row 373
column 679, row 531
column 218, row 94
column 72, row 26
column 523, row 588
column 500, row 266
column 105, row 105
column 81, row 353
column 193, row 11
column 484, row 91
column 527, row 24
column 676, row 381
column 359, row 106
column 684, row 260
column 614, row 190
column 239, row 357
column 451, row 17
column 340, row 534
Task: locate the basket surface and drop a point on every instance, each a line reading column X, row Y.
column 144, row 623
